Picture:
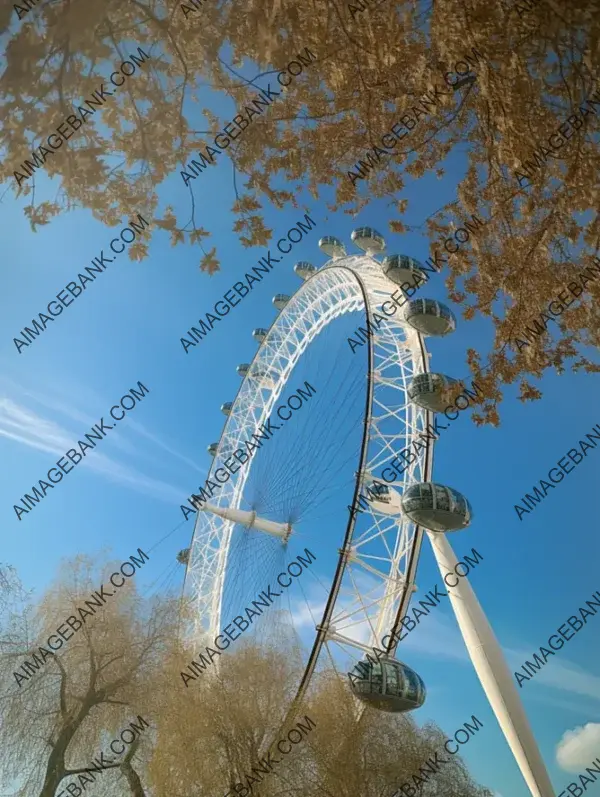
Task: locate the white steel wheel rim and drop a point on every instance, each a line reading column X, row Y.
column 396, row 354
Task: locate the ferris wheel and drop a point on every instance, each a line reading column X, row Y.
column 382, row 399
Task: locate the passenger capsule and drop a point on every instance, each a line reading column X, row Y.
column 332, row 246
column 260, row 334
column 430, row 317
column 305, row 270
column 369, row 240
column 183, row 557
column 431, row 391
column 280, row 300
column 388, row 685
column 212, row 449
column 402, row 268
column 226, row 408
column 243, row 369
column 436, row 507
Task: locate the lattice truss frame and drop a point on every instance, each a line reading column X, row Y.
column 397, row 354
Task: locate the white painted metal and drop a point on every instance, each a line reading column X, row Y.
column 250, row 520
column 493, row 673
column 398, row 355
column 338, row 288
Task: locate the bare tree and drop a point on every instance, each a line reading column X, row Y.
column 201, row 735
column 65, row 708
column 217, row 732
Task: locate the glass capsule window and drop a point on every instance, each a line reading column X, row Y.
column 413, row 692
column 459, row 502
column 402, row 261
column 412, row 263
column 442, row 501
column 368, row 238
column 393, row 683
column 431, row 391
column 427, row 495
column 445, row 312
column 305, row 266
column 417, row 497
column 390, row 685
column 329, row 240
column 431, row 307
column 422, row 383
column 377, row 675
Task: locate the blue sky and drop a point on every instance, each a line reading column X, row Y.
column 127, row 327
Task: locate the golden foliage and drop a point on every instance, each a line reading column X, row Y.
column 233, row 716
column 536, row 68
column 209, row 262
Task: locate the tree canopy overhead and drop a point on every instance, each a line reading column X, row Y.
column 524, row 117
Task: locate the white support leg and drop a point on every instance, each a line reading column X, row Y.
column 251, row 520
column 493, row 673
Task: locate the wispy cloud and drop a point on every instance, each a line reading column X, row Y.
column 66, row 409
column 575, row 704
column 86, row 419
column 26, row 427
column 439, row 636
column 307, row 614
column 137, row 427
column 559, row 673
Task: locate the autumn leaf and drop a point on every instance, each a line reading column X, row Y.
column 209, row 262
column 361, row 79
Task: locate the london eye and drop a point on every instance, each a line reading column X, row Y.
column 305, row 489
